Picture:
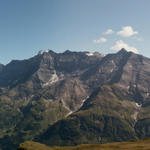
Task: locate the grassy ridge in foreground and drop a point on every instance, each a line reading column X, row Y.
column 136, row 145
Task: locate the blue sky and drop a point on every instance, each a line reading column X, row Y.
column 27, row 26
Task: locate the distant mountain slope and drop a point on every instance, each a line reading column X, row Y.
column 74, row 98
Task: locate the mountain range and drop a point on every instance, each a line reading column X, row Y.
column 73, row 98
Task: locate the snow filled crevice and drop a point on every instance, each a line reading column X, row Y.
column 83, row 101
column 136, row 112
column 43, row 51
column 54, row 78
column 70, row 111
column 67, row 108
column 89, row 54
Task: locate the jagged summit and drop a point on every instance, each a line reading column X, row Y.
column 88, row 53
column 43, row 51
column 123, row 49
column 67, row 51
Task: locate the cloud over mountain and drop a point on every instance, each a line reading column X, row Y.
column 121, row 44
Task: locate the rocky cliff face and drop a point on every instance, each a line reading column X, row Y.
column 116, row 110
column 97, row 98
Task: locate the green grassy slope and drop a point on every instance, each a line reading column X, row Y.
column 33, row 118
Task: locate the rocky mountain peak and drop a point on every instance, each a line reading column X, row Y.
column 122, row 51
column 67, row 51
column 41, row 52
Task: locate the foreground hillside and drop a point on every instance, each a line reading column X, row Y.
column 137, row 145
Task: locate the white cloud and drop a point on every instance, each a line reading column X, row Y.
column 101, row 40
column 138, row 38
column 120, row 44
column 109, row 31
column 127, row 31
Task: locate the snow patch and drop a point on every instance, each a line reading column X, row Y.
column 43, row 51
column 70, row 111
column 89, row 54
column 147, row 94
column 103, row 55
column 95, row 53
column 83, row 101
column 134, row 116
column 54, row 78
column 130, row 66
column 134, row 85
column 136, row 112
column 112, row 62
column 111, row 70
column 138, row 105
